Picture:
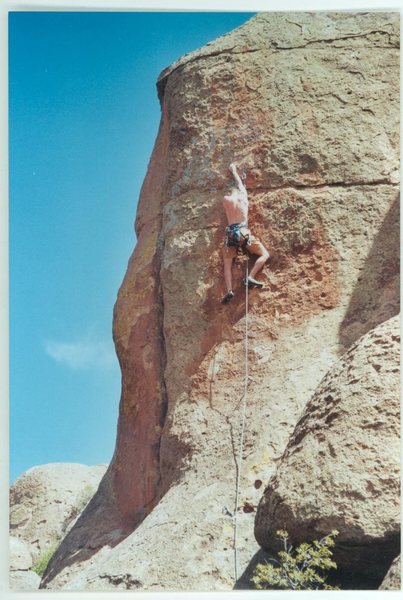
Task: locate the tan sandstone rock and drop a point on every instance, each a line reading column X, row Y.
column 393, row 578
column 308, row 104
column 24, row 580
column 45, row 500
column 341, row 467
column 20, row 556
column 20, row 562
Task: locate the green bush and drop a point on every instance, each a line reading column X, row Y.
column 301, row 569
column 43, row 561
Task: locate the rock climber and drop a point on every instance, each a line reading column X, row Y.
column 238, row 235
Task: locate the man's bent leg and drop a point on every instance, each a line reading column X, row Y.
column 257, row 247
column 259, row 264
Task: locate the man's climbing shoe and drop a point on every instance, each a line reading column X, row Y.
column 252, row 283
column 228, row 296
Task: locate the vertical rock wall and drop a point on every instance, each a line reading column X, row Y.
column 308, row 105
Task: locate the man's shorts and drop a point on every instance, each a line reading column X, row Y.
column 254, row 246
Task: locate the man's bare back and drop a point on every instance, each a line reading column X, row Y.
column 236, row 204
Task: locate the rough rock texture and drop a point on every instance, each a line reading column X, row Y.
column 24, row 580
column 341, row 467
column 308, row 104
column 393, row 577
column 21, row 577
column 20, row 556
column 45, row 500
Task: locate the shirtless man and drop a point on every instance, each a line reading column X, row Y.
column 237, row 235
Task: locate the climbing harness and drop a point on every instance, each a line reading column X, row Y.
column 242, row 427
column 237, row 235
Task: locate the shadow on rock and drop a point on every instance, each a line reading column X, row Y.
column 345, row 579
column 244, row 581
column 376, row 295
column 108, row 529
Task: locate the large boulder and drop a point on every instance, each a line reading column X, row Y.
column 308, row 105
column 45, row 500
column 341, row 467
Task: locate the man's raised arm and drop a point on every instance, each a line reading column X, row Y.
column 238, row 180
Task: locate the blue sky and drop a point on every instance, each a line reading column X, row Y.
column 83, row 116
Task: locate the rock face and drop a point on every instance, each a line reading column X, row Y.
column 341, row 467
column 308, row 105
column 44, row 503
column 21, row 577
column 392, row 579
column 20, row 556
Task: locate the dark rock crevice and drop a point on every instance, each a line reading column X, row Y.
column 342, row 38
column 127, row 581
column 163, row 362
column 287, row 186
column 342, row 184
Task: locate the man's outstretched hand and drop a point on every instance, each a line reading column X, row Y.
column 234, row 171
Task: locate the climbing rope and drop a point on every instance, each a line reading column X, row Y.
column 243, row 419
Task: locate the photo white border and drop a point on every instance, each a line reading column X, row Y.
column 127, row 5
